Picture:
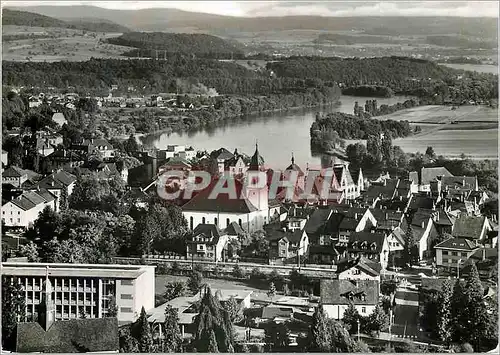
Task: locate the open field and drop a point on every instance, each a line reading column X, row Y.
column 479, row 144
column 55, row 44
column 474, row 133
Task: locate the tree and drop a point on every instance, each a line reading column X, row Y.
column 457, row 310
column 29, row 251
column 131, row 144
column 174, row 289
column 212, row 319
column 377, row 321
column 475, row 324
column 388, row 287
column 386, row 147
column 444, row 312
column 112, row 308
column 238, row 272
column 195, row 282
column 429, row 152
column 319, row 337
column 272, row 290
column 351, row 318
column 13, row 310
column 233, row 309
column 409, row 251
column 172, row 338
column 128, row 344
column 145, row 337
column 276, row 336
column 356, row 154
column 341, row 340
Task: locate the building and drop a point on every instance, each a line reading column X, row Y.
column 60, row 184
column 48, row 335
column 87, row 288
column 424, row 232
column 427, row 175
column 460, row 182
column 358, row 269
column 346, row 182
column 336, row 295
column 370, row 245
column 43, row 147
column 17, row 177
column 208, row 242
column 471, row 227
column 94, row 146
column 396, row 242
column 59, row 118
column 286, row 243
column 187, row 311
column 23, row 210
column 450, row 251
column 5, row 159
column 177, row 151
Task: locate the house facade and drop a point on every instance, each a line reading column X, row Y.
column 336, row 295
column 23, row 210
column 453, row 250
column 208, row 242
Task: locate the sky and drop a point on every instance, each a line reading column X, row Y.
column 287, row 8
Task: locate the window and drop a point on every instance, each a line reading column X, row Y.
column 126, row 296
column 126, row 310
column 227, row 222
column 19, row 220
column 203, row 220
column 18, row 213
column 464, row 255
column 215, row 221
column 454, row 253
column 239, row 222
column 127, row 282
column 191, row 223
column 445, row 252
column 363, row 309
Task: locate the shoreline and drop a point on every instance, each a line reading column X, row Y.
column 215, row 124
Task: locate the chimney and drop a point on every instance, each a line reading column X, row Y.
column 423, row 224
column 356, row 216
column 484, row 254
column 463, row 182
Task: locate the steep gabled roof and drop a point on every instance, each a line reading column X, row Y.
column 234, row 229
column 338, row 291
column 317, row 220
column 210, row 231
column 356, row 239
column 13, row 171
column 431, row 174
column 222, row 203
column 457, row 243
column 222, row 154
column 466, row 182
column 468, row 226
column 69, row 336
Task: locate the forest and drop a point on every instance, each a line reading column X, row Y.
column 338, row 126
column 404, row 76
column 151, row 76
column 197, row 45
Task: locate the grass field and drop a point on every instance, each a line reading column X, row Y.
column 469, row 136
column 56, row 44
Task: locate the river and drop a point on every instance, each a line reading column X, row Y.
column 481, row 68
column 277, row 134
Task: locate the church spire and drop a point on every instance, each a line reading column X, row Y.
column 256, row 161
column 293, row 159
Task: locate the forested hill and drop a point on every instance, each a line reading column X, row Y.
column 401, row 74
column 149, row 76
column 25, row 18
column 30, row 19
column 200, row 45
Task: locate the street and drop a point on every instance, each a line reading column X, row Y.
column 406, row 314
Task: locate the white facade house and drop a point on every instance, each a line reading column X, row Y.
column 59, row 118
column 22, row 211
column 337, row 294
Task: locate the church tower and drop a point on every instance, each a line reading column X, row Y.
column 46, row 311
column 258, row 196
column 256, row 162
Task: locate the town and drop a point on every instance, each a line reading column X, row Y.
column 197, row 194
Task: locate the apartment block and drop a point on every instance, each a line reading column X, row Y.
column 88, row 289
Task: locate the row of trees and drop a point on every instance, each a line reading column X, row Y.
column 402, row 75
column 460, row 313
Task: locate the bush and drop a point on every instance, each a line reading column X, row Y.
column 238, row 272
column 162, row 269
column 175, row 268
column 257, row 275
column 198, row 268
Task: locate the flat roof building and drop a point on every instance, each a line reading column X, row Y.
column 89, row 289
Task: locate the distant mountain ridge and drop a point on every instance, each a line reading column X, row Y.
column 32, row 19
column 161, row 19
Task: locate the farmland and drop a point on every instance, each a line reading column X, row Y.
column 55, row 44
column 473, row 133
